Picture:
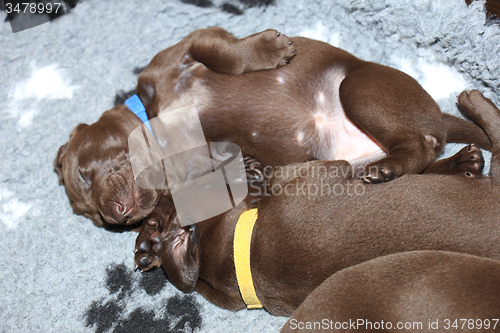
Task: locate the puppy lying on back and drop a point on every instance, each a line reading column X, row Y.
column 323, row 221
column 420, row 291
column 325, row 104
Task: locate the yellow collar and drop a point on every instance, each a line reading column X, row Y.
column 241, row 245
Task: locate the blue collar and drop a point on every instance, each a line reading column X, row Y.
column 135, row 105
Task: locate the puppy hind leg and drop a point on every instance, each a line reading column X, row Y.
column 411, row 157
column 396, row 112
column 219, row 51
column 485, row 114
column 468, row 162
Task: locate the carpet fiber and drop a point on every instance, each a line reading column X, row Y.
column 60, row 273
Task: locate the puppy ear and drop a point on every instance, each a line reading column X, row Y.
column 181, row 258
column 77, row 128
column 58, row 162
column 62, row 150
column 145, row 90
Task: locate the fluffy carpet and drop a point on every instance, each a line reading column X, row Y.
column 60, row 273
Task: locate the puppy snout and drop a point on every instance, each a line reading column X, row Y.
column 121, row 211
column 117, row 182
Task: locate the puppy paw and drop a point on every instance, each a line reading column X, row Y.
column 469, row 162
column 272, row 50
column 380, row 172
column 148, row 246
column 479, row 108
column 468, row 100
column 279, row 47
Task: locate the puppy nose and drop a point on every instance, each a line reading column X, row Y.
column 120, row 211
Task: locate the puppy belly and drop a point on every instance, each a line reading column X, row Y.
column 334, row 134
column 351, row 144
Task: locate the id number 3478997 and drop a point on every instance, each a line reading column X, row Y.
column 468, row 324
column 32, row 7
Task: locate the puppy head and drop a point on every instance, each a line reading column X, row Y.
column 94, row 167
column 181, row 245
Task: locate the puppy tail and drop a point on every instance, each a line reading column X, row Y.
column 464, row 131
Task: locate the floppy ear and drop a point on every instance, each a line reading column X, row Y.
column 61, row 151
column 145, row 90
column 58, row 162
column 181, row 257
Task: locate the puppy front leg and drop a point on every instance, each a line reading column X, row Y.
column 223, row 53
column 148, row 246
column 148, row 243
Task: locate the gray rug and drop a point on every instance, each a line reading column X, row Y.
column 60, row 273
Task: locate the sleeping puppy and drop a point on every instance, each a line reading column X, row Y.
column 419, row 291
column 316, row 219
column 95, row 168
column 325, row 104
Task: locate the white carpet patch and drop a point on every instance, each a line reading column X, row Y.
column 47, row 82
column 322, row 32
column 11, row 209
column 441, row 80
column 26, row 118
column 406, row 66
column 438, row 79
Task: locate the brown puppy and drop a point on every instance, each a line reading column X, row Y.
column 317, row 220
column 326, row 104
column 95, row 168
column 420, row 291
column 95, row 164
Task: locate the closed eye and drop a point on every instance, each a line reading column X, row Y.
column 84, row 178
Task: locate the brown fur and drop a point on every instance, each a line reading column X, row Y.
column 247, row 94
column 301, row 239
column 425, row 290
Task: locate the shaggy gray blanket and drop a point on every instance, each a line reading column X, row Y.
column 60, row 273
